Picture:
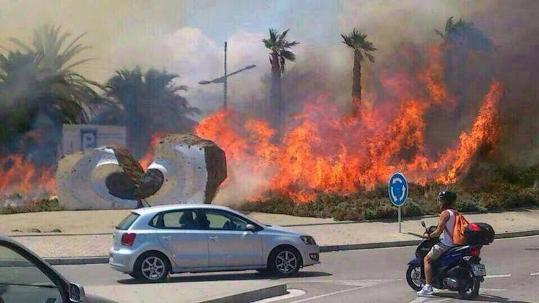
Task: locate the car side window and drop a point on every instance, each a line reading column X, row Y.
column 22, row 281
column 180, row 219
column 222, row 220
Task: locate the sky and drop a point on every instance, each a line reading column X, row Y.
column 186, row 36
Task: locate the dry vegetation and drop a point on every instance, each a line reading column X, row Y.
column 508, row 188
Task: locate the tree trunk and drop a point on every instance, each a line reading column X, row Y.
column 356, row 85
column 275, row 94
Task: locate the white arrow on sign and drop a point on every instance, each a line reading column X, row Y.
column 403, row 190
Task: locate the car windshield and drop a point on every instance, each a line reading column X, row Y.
column 22, row 281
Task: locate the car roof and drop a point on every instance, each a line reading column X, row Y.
column 160, row 208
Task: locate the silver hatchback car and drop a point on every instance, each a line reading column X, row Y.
column 153, row 242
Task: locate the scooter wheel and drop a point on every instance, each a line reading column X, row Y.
column 471, row 289
column 413, row 277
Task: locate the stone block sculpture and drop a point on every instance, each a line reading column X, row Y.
column 185, row 169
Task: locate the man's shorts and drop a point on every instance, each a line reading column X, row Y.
column 437, row 250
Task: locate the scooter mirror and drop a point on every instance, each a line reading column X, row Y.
column 423, row 224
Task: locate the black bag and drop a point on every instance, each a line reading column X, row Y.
column 479, row 234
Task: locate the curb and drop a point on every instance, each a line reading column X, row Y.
column 517, row 234
column 253, row 295
column 323, row 249
column 77, row 260
column 331, row 248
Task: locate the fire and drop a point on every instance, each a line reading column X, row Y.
column 324, row 151
column 147, row 158
column 20, row 176
column 483, row 132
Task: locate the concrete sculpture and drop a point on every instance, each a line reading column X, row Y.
column 185, row 169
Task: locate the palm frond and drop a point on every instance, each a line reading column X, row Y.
column 20, row 44
column 288, row 55
column 369, row 56
column 282, row 37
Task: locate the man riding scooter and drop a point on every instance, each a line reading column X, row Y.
column 446, row 223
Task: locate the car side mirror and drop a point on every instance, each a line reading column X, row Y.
column 250, row 227
column 423, row 224
column 76, row 293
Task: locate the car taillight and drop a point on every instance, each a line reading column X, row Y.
column 128, row 239
column 475, row 251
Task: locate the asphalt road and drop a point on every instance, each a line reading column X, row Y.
column 375, row 275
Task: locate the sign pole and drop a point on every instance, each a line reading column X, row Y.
column 399, row 220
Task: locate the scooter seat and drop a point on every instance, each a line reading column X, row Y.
column 457, row 248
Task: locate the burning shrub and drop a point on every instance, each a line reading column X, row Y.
column 48, row 204
column 374, row 204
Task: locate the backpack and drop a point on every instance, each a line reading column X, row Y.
column 457, row 236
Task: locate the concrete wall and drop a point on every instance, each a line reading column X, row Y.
column 80, row 137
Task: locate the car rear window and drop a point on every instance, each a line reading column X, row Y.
column 128, row 221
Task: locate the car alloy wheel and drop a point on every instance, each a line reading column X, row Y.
column 286, row 262
column 153, row 268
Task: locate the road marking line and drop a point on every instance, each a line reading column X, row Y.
column 534, row 274
column 498, row 276
column 492, row 289
column 292, row 293
column 432, row 298
column 329, row 294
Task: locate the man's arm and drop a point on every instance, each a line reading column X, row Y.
column 444, row 216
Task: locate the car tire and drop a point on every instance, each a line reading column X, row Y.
column 152, row 267
column 284, row 261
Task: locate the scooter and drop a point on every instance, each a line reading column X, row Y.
column 458, row 269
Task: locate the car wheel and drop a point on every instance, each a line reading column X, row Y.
column 285, row 261
column 152, row 267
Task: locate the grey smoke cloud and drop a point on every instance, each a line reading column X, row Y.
column 160, row 34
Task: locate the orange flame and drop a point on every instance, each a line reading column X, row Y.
column 19, row 176
column 484, row 131
column 147, row 159
column 326, row 152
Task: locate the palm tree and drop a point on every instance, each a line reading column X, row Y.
column 279, row 53
column 460, row 39
column 465, row 35
column 39, row 80
column 62, row 93
column 357, row 41
column 151, row 103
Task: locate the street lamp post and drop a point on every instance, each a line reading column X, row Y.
column 224, row 79
column 225, row 83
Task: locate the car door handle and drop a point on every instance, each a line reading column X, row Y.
column 165, row 237
column 213, row 238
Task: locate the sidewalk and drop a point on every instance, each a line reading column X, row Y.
column 192, row 292
column 87, row 233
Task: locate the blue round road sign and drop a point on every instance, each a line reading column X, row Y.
column 397, row 188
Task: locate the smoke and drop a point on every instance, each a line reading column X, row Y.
column 186, row 38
